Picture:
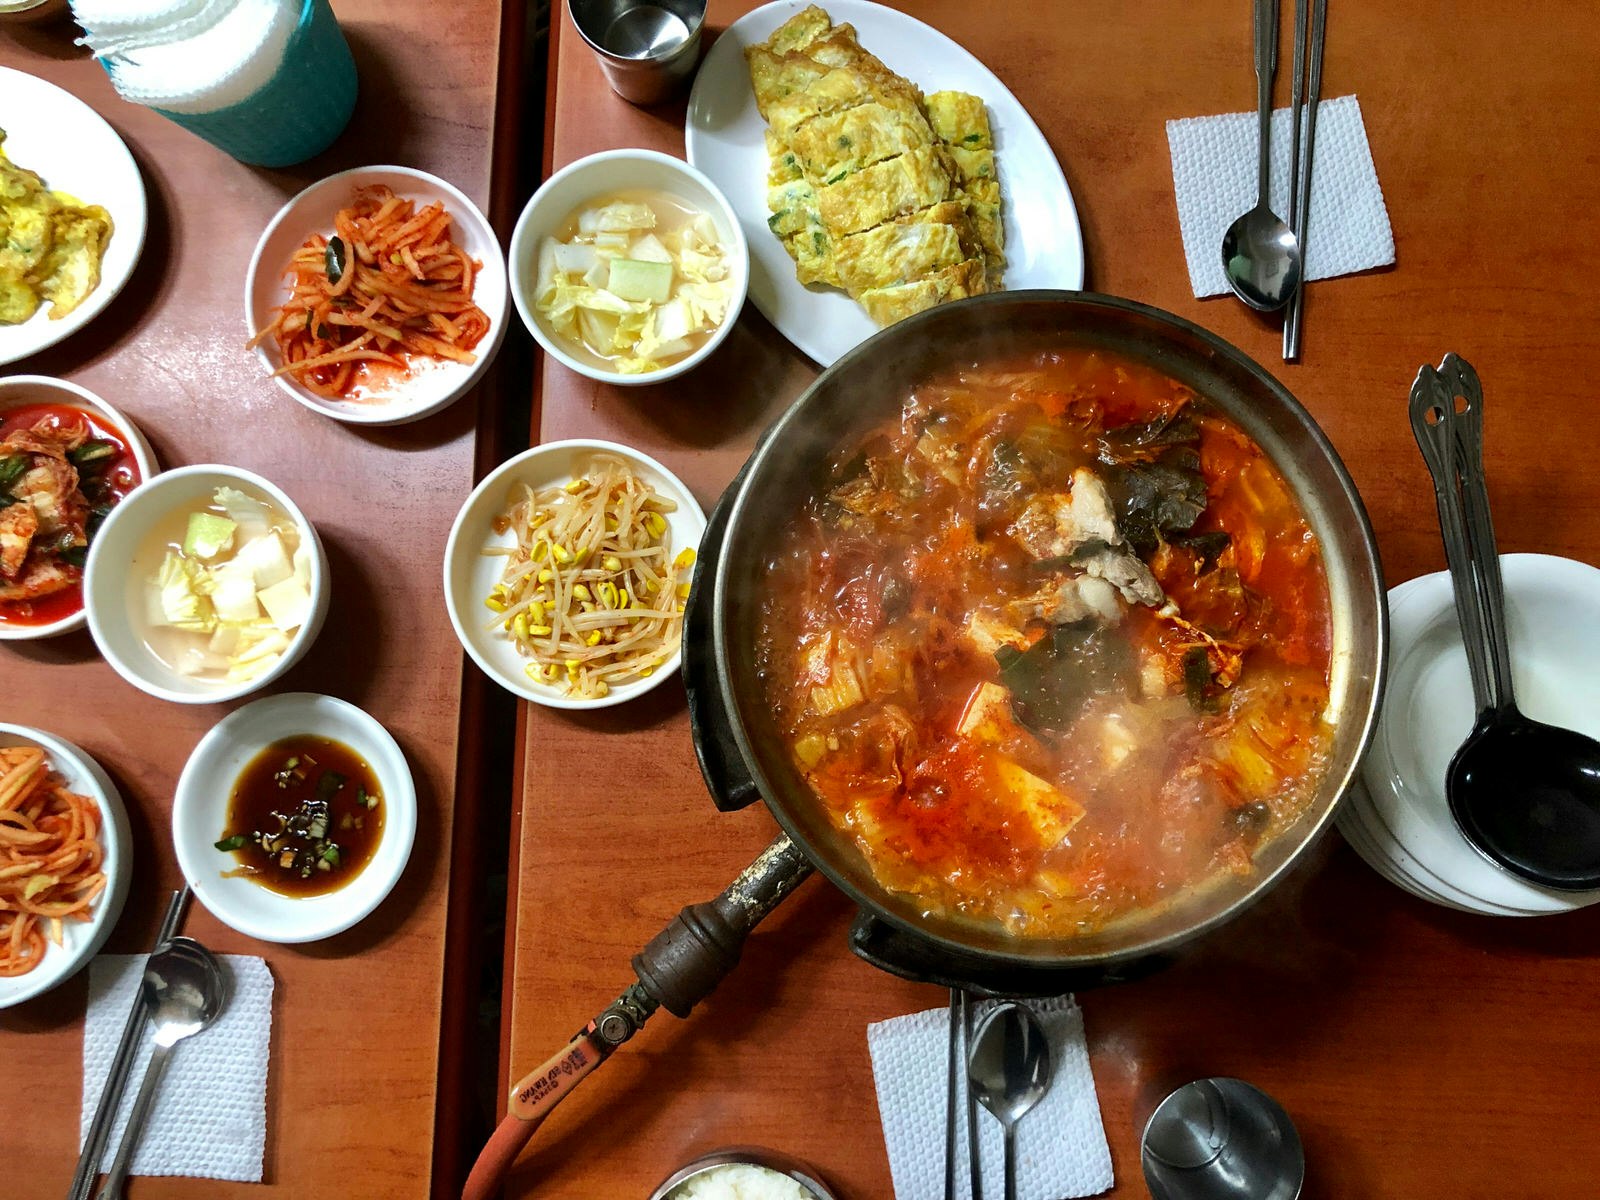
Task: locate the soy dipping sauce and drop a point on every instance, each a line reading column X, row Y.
column 305, row 817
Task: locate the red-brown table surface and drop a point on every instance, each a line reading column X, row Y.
column 354, row 1081
column 1422, row 1052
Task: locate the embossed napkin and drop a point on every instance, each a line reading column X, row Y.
column 1214, row 175
column 210, row 1116
column 1061, row 1145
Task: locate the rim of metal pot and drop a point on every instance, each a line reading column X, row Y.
column 774, row 442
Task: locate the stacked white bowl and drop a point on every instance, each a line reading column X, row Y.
column 1397, row 817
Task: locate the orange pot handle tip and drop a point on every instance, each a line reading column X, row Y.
column 535, row 1095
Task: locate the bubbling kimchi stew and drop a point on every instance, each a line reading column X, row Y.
column 1051, row 645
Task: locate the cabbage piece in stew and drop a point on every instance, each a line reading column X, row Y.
column 1052, row 645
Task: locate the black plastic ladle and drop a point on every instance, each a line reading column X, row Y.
column 1524, row 793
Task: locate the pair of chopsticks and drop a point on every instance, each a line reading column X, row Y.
column 94, row 1147
column 955, row 1066
column 1305, row 94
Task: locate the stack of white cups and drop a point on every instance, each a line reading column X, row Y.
column 271, row 82
column 188, row 56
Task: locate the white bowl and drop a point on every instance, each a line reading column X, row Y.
column 80, row 940
column 1553, row 625
column 617, row 170
column 431, row 386
column 17, row 390
column 200, row 811
column 112, row 595
column 470, row 574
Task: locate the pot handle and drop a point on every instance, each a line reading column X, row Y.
column 679, row 967
column 515, row 1128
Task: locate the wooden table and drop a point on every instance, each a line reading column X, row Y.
column 1423, row 1053
column 355, row 1077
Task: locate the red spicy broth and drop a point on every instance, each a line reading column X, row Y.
column 111, row 482
column 1052, row 646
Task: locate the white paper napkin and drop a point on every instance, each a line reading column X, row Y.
column 1214, row 175
column 1061, row 1144
column 210, row 1116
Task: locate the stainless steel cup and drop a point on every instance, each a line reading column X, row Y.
column 647, row 50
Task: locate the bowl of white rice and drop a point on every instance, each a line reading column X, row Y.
column 743, row 1173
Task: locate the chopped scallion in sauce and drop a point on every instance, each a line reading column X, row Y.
column 305, row 817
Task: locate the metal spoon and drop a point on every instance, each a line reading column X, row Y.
column 1260, row 254
column 1222, row 1139
column 1526, row 794
column 94, row 1146
column 1009, row 1072
column 185, row 987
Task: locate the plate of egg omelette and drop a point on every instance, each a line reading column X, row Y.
column 878, row 169
column 72, row 212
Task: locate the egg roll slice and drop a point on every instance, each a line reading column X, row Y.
column 812, row 251
column 839, row 47
column 890, row 304
column 973, row 166
column 982, row 200
column 905, row 250
column 805, row 49
column 29, row 231
column 799, row 31
column 914, row 180
column 784, row 166
column 960, row 119
column 18, row 300
column 841, row 88
column 798, row 225
column 793, row 206
column 962, row 122
column 775, row 77
column 831, row 146
column 71, row 270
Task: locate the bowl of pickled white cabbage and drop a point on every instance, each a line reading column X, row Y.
column 629, row 266
column 205, row 584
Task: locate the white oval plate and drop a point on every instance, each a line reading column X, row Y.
column 80, row 940
column 470, row 574
column 1553, row 624
column 200, row 810
column 70, row 146
column 430, row 386
column 725, row 138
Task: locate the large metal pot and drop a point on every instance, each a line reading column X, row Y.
column 869, row 384
column 745, row 759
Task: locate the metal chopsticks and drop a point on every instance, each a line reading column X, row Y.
column 952, row 1094
column 105, row 1113
column 956, row 1068
column 974, row 1160
column 1305, row 89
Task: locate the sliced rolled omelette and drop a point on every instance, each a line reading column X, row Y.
column 872, row 188
column 962, row 123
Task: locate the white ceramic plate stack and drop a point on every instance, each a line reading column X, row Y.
column 1397, row 818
